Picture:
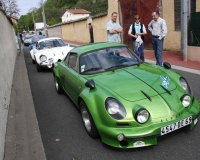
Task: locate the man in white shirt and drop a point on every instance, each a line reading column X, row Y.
column 158, row 29
column 113, row 29
column 137, row 31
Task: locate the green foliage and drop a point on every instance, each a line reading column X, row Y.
column 15, row 28
column 55, row 8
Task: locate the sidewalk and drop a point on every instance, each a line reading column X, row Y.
column 174, row 58
column 23, row 139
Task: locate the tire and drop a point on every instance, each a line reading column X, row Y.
column 39, row 69
column 33, row 61
column 88, row 121
column 58, row 86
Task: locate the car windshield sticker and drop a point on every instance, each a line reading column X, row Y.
column 165, row 81
column 82, row 68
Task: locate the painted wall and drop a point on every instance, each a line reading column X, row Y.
column 173, row 39
column 77, row 32
column 198, row 6
column 7, row 63
column 55, row 31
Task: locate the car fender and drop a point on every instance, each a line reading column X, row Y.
column 32, row 55
column 95, row 101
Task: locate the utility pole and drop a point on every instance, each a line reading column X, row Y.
column 33, row 22
column 184, row 24
column 44, row 19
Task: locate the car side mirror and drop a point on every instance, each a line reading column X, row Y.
column 167, row 65
column 90, row 83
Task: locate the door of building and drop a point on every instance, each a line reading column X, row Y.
column 129, row 8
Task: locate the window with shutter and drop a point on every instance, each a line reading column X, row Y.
column 177, row 14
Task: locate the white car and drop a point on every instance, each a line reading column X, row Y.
column 47, row 51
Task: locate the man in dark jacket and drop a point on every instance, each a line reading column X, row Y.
column 91, row 33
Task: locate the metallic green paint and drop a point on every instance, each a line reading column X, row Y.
column 126, row 85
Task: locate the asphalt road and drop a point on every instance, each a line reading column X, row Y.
column 65, row 138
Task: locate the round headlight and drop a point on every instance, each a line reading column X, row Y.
column 186, row 100
column 43, row 58
column 142, row 115
column 185, row 85
column 115, row 109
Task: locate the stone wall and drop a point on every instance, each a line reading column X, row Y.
column 8, row 53
column 55, row 31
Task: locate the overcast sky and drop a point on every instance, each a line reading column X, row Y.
column 25, row 5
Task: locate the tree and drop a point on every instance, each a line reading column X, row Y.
column 10, row 7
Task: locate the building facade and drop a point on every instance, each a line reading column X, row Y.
column 74, row 14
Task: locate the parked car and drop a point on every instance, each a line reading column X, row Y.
column 125, row 101
column 34, row 40
column 27, row 40
column 48, row 51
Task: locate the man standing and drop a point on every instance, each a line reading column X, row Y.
column 158, row 29
column 136, row 31
column 113, row 29
column 91, row 33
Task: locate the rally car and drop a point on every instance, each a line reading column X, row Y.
column 126, row 102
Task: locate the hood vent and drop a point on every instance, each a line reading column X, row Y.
column 146, row 95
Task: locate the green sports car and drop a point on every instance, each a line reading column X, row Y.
column 124, row 101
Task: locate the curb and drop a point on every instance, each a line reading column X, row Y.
column 178, row 68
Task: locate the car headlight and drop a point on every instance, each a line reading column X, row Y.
column 142, row 115
column 185, row 85
column 50, row 64
column 115, row 109
column 43, row 58
column 186, row 100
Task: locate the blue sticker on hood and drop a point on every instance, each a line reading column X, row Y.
column 165, row 81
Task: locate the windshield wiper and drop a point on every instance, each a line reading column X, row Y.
column 116, row 67
column 92, row 69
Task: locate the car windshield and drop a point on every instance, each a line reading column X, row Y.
column 107, row 59
column 29, row 37
column 35, row 39
column 51, row 43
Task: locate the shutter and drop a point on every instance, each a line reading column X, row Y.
column 177, row 14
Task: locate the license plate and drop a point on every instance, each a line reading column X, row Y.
column 176, row 125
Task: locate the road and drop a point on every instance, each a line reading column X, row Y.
column 65, row 138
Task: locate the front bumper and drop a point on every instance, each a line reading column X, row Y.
column 46, row 65
column 144, row 135
column 140, row 137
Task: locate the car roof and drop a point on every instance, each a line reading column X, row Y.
column 44, row 39
column 95, row 46
column 39, row 37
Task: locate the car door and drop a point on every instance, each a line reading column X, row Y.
column 70, row 76
column 35, row 49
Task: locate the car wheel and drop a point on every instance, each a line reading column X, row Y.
column 88, row 121
column 33, row 61
column 39, row 69
column 57, row 83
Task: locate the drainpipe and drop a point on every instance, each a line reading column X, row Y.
column 184, row 23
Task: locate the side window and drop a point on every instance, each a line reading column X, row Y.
column 67, row 59
column 73, row 61
column 37, row 45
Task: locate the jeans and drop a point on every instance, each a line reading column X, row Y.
column 134, row 43
column 158, row 47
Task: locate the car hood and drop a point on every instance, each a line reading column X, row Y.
column 27, row 41
column 55, row 53
column 133, row 83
